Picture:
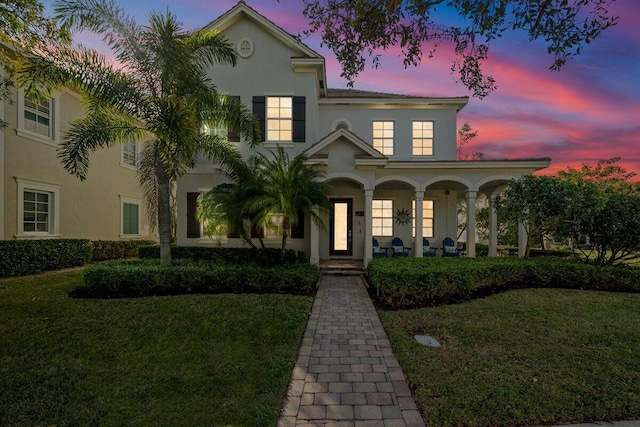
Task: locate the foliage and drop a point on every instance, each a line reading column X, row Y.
column 197, row 360
column 158, row 91
column 19, row 257
column 267, row 257
column 608, row 175
column 418, row 282
column 356, row 30
column 141, row 278
column 465, row 135
column 115, row 249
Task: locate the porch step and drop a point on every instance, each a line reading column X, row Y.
column 341, row 268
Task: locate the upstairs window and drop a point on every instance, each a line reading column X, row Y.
column 382, row 217
column 130, row 154
column 427, row 218
column 37, row 118
column 279, row 118
column 383, row 137
column 422, row 138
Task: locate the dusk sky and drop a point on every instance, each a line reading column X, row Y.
column 590, row 110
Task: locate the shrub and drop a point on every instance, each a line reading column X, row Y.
column 264, row 257
column 19, row 257
column 117, row 249
column 114, row 279
column 415, row 282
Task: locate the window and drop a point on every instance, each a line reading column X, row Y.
column 296, row 231
column 383, row 137
column 279, row 118
column 427, row 218
column 274, row 228
column 382, row 218
column 37, row 209
column 36, row 119
column 245, row 48
column 130, row 217
column 422, row 138
column 130, row 154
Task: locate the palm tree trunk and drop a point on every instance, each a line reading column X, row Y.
column 285, row 234
column 164, row 214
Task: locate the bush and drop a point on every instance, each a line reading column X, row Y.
column 417, row 282
column 19, row 257
column 117, row 249
column 115, row 279
column 231, row 256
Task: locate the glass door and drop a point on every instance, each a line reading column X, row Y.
column 341, row 228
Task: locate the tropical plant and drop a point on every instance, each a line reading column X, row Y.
column 157, row 91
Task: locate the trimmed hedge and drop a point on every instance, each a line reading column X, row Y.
column 264, row 256
column 117, row 249
column 414, row 282
column 19, row 257
column 116, row 279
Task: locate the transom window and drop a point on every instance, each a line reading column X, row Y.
column 422, row 138
column 37, row 211
column 382, row 217
column 427, row 218
column 130, row 153
column 383, row 137
column 38, row 117
column 279, row 118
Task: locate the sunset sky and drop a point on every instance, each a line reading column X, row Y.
column 590, row 110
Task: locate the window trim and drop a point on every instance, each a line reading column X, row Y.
column 279, row 119
column 130, row 201
column 393, row 137
column 54, row 210
column 374, row 217
column 137, row 153
column 433, row 138
column 433, row 218
column 54, row 121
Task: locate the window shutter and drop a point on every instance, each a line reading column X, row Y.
column 297, row 230
column 232, row 136
column 193, row 225
column 299, row 117
column 260, row 110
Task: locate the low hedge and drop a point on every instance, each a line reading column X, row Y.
column 117, row 249
column 137, row 278
column 417, row 282
column 19, row 257
column 263, row 256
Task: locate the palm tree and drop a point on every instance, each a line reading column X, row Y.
column 289, row 187
column 158, row 92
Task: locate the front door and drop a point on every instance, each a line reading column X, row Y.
column 341, row 229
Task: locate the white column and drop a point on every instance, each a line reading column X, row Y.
column 493, row 227
column 523, row 233
column 368, row 226
column 314, row 241
column 418, row 220
column 2, row 164
column 471, row 223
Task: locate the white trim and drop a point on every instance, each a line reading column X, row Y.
column 239, row 47
column 130, row 201
column 54, row 121
column 54, row 208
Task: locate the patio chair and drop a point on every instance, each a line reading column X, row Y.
column 449, row 248
column 399, row 249
column 378, row 252
column 426, row 249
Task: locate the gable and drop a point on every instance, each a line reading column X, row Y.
column 344, row 147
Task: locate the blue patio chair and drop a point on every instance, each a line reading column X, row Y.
column 399, row 250
column 449, row 248
column 426, row 249
column 378, row 252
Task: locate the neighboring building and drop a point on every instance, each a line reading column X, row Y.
column 39, row 199
column 391, row 159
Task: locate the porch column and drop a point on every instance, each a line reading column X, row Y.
column 418, row 221
column 314, row 241
column 471, row 223
column 368, row 226
column 493, row 227
column 523, row 231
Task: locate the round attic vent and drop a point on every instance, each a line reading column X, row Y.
column 342, row 125
column 245, row 48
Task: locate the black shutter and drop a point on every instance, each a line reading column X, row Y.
column 232, row 136
column 260, row 110
column 297, row 230
column 193, row 225
column 299, row 117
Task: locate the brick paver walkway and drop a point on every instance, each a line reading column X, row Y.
column 346, row 373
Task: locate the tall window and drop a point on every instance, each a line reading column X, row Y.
column 383, row 137
column 279, row 118
column 38, row 117
column 130, row 217
column 422, row 138
column 427, row 218
column 130, row 153
column 382, row 217
column 37, row 211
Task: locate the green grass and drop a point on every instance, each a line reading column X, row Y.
column 187, row 360
column 525, row 357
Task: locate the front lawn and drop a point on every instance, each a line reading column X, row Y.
column 194, row 360
column 524, row 357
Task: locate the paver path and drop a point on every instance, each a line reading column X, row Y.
column 346, row 373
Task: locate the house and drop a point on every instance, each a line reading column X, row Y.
column 39, row 199
column 391, row 159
